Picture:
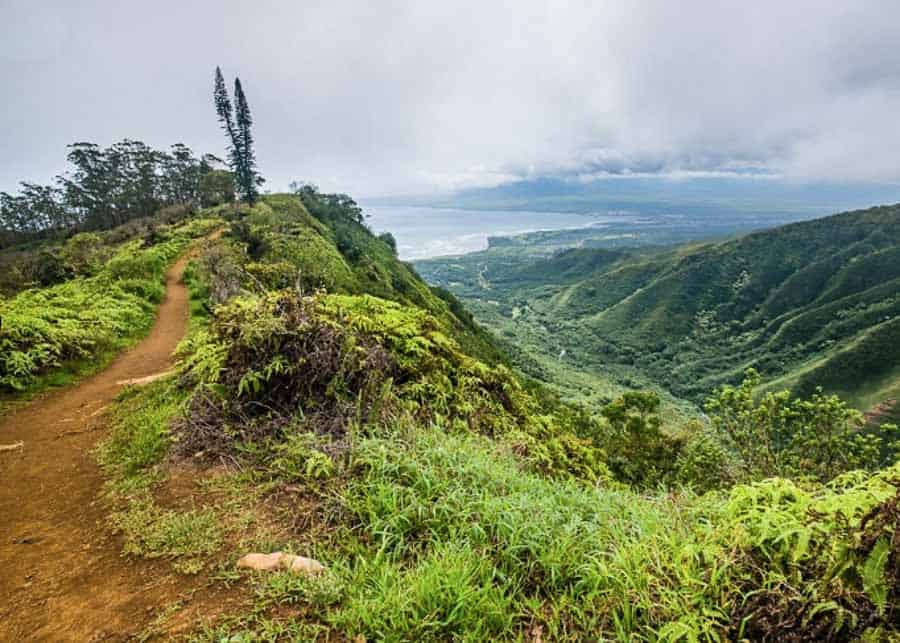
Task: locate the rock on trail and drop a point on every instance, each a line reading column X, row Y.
column 279, row 560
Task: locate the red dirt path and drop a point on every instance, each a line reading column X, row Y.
column 62, row 576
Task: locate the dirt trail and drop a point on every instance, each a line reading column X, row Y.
column 62, row 577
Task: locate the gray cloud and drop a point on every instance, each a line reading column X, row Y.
column 381, row 97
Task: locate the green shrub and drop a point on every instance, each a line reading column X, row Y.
column 343, row 361
column 85, row 253
column 76, row 320
column 299, row 457
column 389, row 239
column 704, row 463
column 640, row 453
column 823, row 561
column 817, row 438
column 48, row 268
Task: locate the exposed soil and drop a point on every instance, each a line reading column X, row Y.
column 880, row 412
column 62, row 575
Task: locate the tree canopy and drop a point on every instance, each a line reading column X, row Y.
column 106, row 187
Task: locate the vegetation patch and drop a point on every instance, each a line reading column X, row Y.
column 152, row 532
column 45, row 329
column 140, row 434
column 448, row 538
column 451, row 499
column 279, row 364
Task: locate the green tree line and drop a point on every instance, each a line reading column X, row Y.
column 106, row 187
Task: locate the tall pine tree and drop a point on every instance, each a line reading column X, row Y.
column 224, row 110
column 248, row 178
column 236, row 123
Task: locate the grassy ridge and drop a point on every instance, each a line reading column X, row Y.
column 285, row 241
column 448, row 498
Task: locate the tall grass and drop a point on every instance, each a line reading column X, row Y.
column 460, row 543
column 574, row 559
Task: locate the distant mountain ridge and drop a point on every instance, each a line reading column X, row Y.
column 808, row 304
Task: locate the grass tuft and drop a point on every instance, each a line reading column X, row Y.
column 152, row 532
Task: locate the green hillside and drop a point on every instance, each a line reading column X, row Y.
column 318, row 241
column 808, row 304
column 75, row 299
column 329, row 403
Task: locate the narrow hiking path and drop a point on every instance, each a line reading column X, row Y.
column 62, row 575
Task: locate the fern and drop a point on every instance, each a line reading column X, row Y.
column 873, row 575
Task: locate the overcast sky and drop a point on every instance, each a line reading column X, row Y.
column 376, row 97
